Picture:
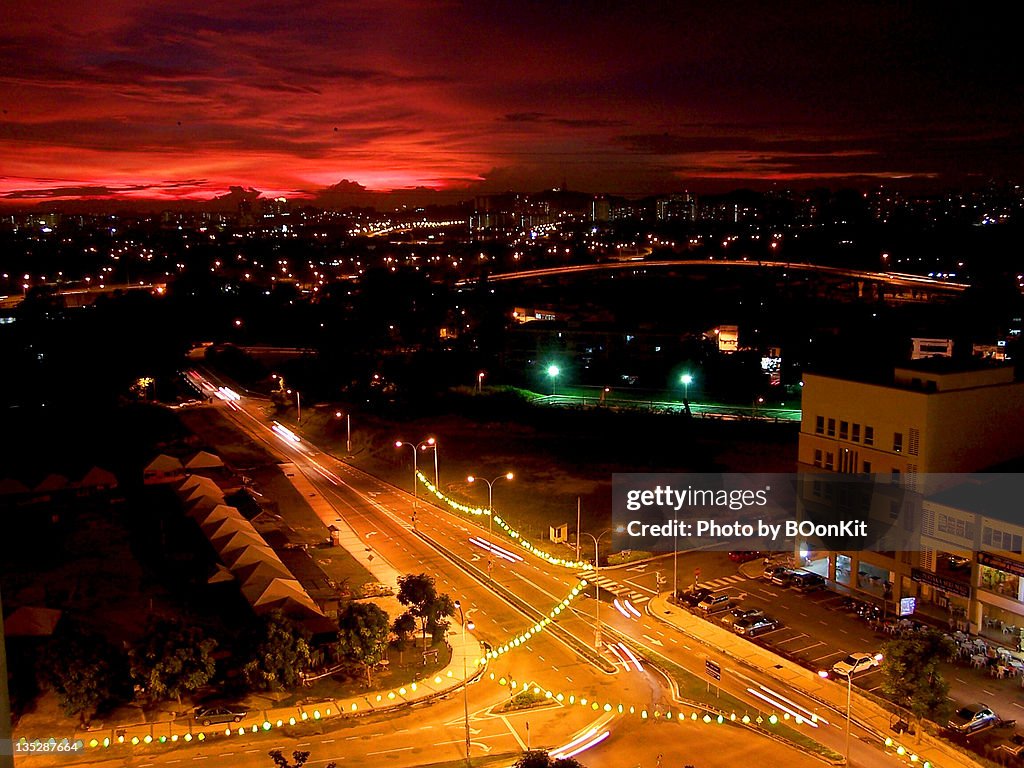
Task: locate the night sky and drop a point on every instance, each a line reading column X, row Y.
column 185, row 99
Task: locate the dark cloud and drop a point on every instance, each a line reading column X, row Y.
column 396, row 94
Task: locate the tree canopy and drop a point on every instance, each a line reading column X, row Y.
column 363, row 631
column 278, row 656
column 910, row 673
column 418, row 592
column 172, row 659
column 84, row 670
column 540, row 759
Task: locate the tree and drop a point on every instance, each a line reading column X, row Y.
column 403, row 628
column 279, row 655
column 363, row 631
column 417, row 591
column 300, row 759
column 172, row 659
column 538, row 758
column 84, row 670
column 910, row 673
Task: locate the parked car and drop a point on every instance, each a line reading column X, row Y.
column 735, row 614
column 783, row 577
column 744, row 556
column 973, row 718
column 755, row 625
column 212, row 715
column 773, row 572
column 715, row 604
column 854, row 663
column 693, row 596
column 808, row 582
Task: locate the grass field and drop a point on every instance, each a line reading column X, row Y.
column 556, row 456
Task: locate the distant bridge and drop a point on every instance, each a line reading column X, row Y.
column 896, row 279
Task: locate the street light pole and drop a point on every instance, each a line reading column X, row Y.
column 597, row 587
column 849, row 699
column 348, row 429
column 686, row 379
column 553, row 375
column 465, row 680
column 490, row 507
column 428, row 443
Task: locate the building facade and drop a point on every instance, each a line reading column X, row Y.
column 918, row 431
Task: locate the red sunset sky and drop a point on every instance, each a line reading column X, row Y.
column 183, row 99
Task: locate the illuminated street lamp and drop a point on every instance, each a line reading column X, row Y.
column 553, row 375
column 432, row 443
column 597, row 587
column 686, row 380
column 490, row 505
column 298, row 405
column 480, row 383
column 416, row 448
column 849, row 696
column 465, row 682
column 348, row 429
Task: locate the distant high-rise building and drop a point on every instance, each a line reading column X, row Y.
column 678, row 207
column 600, row 209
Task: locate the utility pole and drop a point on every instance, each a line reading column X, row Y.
column 577, row 529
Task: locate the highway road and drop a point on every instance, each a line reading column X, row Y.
column 899, row 279
column 509, row 600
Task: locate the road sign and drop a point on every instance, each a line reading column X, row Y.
column 712, row 669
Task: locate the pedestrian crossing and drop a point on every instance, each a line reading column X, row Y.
column 615, row 588
column 722, row 583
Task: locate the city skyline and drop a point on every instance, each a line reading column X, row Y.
column 178, row 102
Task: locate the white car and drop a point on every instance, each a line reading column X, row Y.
column 854, row 663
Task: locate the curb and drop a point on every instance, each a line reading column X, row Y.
column 927, row 739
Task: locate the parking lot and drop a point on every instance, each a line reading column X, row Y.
column 815, row 630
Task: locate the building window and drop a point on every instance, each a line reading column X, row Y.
column 817, row 458
column 819, row 425
column 844, row 430
column 830, row 460
column 897, row 442
column 867, row 467
column 831, row 427
column 1004, row 540
column 869, row 435
column 895, row 477
column 856, row 433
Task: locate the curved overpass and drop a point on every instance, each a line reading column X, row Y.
column 900, row 279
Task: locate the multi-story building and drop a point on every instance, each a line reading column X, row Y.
column 916, row 432
column 971, row 536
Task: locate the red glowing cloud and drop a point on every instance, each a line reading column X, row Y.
column 179, row 100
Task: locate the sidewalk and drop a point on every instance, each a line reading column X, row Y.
column 375, row 563
column 465, row 657
column 866, row 712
